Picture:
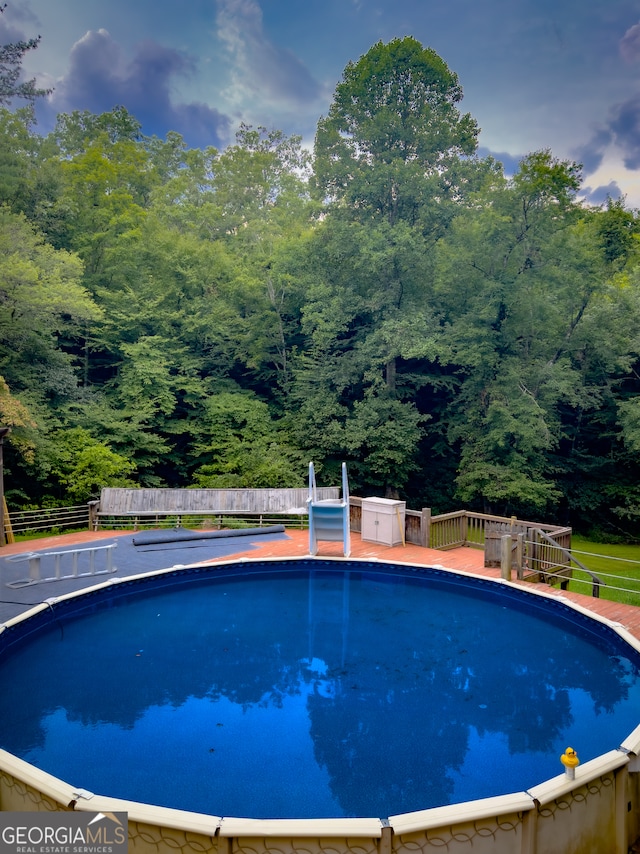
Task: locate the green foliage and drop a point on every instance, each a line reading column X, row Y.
column 172, row 316
column 539, row 328
column 11, row 87
column 42, row 299
column 16, row 415
column 382, row 437
column 393, row 123
column 244, row 448
column 83, row 466
column 17, row 151
column 75, row 132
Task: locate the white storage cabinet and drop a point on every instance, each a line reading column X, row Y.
column 383, row 521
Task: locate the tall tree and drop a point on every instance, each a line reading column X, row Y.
column 41, row 300
column 392, row 132
column 252, row 203
column 538, row 324
column 393, row 158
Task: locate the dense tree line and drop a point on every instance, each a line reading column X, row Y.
column 181, row 317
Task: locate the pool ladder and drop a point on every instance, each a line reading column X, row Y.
column 35, row 566
column 328, row 518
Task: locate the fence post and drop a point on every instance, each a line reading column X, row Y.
column 519, row 556
column 425, row 527
column 505, row 557
column 93, row 515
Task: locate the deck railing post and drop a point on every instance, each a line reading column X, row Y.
column 519, row 561
column 505, row 557
column 425, row 527
column 93, row 515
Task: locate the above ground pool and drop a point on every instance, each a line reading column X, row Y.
column 311, row 689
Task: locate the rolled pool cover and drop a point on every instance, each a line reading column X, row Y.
column 179, row 535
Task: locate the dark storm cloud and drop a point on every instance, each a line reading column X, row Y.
column 625, row 126
column 622, row 126
column 591, row 153
column 599, row 195
column 100, row 78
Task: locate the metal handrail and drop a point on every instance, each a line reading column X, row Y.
column 597, row 582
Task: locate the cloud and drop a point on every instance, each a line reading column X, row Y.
column 261, row 70
column 622, row 130
column 510, row 162
column 625, row 126
column 14, row 21
column 591, row 153
column 100, row 77
column 599, row 195
column 630, row 44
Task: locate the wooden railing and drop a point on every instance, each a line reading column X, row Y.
column 538, row 551
column 552, row 559
column 462, row 528
column 416, row 522
column 466, row 528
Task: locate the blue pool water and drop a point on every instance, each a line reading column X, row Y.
column 312, row 689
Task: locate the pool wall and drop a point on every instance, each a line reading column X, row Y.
column 598, row 812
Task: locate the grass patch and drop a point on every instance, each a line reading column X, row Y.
column 618, row 566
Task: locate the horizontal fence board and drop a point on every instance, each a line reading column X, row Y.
column 119, row 502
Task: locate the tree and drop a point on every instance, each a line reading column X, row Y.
column 84, row 465
column 11, row 56
column 392, row 131
column 75, row 132
column 241, row 446
column 14, row 414
column 392, row 159
column 248, row 207
column 41, row 300
column 538, row 323
column 17, row 147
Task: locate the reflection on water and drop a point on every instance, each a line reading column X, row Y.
column 312, row 695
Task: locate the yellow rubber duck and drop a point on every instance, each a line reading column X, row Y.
column 570, row 761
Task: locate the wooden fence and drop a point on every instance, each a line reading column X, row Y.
column 203, row 506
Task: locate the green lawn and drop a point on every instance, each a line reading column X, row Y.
column 616, row 565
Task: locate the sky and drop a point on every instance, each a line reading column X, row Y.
column 562, row 75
